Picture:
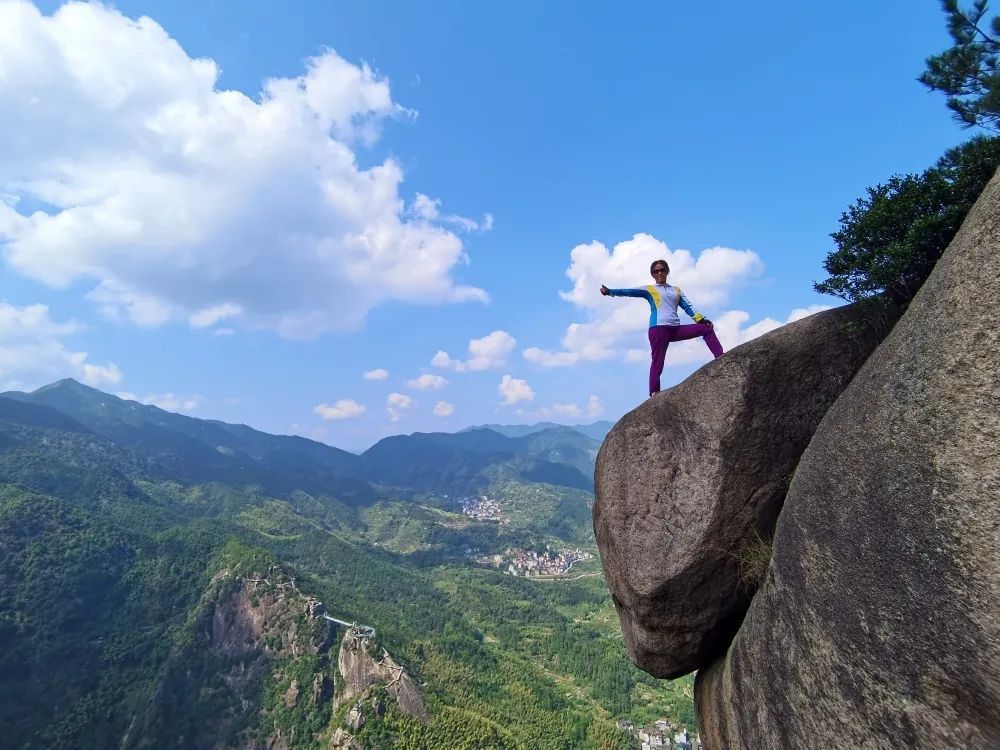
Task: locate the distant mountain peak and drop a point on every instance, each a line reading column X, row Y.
column 67, row 383
column 66, row 391
column 73, row 388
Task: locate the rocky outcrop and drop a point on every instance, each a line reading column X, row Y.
column 250, row 627
column 344, row 740
column 368, row 669
column 689, row 479
column 361, row 671
column 878, row 624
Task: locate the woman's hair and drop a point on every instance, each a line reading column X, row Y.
column 653, row 265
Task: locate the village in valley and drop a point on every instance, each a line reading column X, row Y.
column 548, row 562
column 527, row 563
column 662, row 734
column 482, row 508
column 531, row 563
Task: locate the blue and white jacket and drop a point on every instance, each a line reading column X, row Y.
column 663, row 301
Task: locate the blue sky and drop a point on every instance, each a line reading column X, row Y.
column 421, row 178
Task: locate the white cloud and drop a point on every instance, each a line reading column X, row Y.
column 547, row 358
column 178, row 200
column 514, row 390
column 345, row 408
column 396, row 404
column 443, row 409
column 32, row 352
column 376, row 374
column 732, row 335
column 118, row 303
column 612, row 322
column 212, row 315
column 484, row 354
column 566, row 410
column 490, row 351
column 594, row 407
column 442, row 359
column 429, row 209
column 425, row 208
column 427, row 382
column 399, row 399
column 166, row 401
column 98, row 374
column 804, row 312
column 555, row 412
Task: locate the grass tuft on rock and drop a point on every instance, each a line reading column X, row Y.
column 754, row 559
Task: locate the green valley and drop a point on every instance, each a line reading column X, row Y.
column 151, row 599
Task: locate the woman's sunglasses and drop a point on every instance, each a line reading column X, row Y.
column 659, row 270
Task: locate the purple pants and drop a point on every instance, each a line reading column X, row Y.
column 660, row 338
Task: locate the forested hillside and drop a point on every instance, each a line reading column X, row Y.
column 117, row 522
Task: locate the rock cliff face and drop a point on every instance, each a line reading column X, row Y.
column 249, row 629
column 365, row 666
column 255, row 671
column 877, row 624
column 691, row 478
column 361, row 671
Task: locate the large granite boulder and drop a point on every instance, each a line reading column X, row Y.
column 878, row 624
column 694, row 475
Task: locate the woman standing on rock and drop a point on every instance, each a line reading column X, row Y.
column 664, row 324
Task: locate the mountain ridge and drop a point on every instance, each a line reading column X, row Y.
column 212, row 450
column 594, row 430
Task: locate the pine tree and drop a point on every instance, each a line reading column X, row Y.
column 969, row 72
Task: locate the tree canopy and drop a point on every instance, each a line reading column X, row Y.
column 889, row 240
column 969, row 72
